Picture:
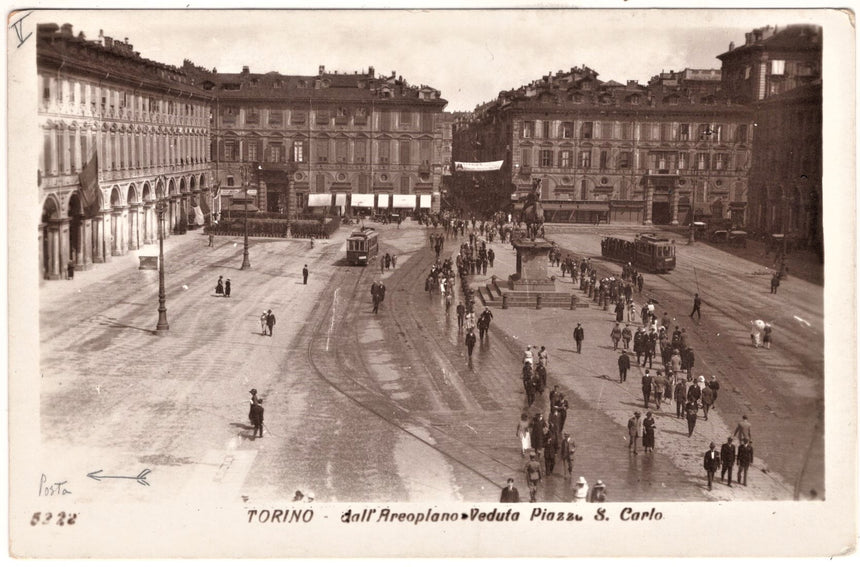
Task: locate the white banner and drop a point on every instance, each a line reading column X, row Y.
column 362, row 200
column 319, row 200
column 478, row 165
column 404, row 201
column 382, row 200
column 424, row 201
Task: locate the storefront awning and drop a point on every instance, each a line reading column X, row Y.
column 319, row 200
column 362, row 199
column 382, row 200
column 425, row 201
column 340, row 200
column 404, row 201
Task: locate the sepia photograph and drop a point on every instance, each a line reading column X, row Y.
column 556, row 271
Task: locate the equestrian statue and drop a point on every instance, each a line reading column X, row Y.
column 532, row 213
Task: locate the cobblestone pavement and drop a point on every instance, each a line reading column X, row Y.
column 359, row 406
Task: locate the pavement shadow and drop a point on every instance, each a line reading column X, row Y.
column 114, row 324
column 244, row 426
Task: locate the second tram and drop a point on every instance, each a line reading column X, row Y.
column 361, row 246
column 646, row 251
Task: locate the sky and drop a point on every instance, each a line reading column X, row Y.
column 468, row 55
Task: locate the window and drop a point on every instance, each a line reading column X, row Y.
column 405, row 157
column 546, row 158
column 320, row 183
column 360, row 151
column 742, row 133
column 340, row 150
column 47, row 152
column 300, row 151
column 341, row 116
column 777, row 67
column 276, row 117
column 298, row 117
column 604, row 159
column 321, row 151
column 564, row 158
column 625, row 160
column 567, row 129
column 546, row 129
column 684, row 133
column 585, row 159
column 702, row 161
column 252, row 150
column 276, row 153
column 682, row 160
column 717, row 133
column 360, row 116
column 322, row 118
column 587, row 130
column 528, row 129
column 405, row 118
column 705, row 131
column 425, row 152
column 583, row 190
column 384, row 151
column 747, row 71
column 426, row 121
column 231, row 181
column 385, row 120
column 665, row 132
column 527, row 157
column 721, row 162
column 627, row 130
column 228, row 113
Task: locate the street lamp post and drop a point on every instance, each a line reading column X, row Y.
column 162, row 327
column 246, row 261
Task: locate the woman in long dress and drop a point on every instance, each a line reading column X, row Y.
column 523, row 433
column 648, row 427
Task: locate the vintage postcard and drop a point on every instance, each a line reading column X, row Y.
column 431, row 283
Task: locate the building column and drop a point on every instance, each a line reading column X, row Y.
column 97, row 243
column 53, row 239
column 675, row 198
column 649, row 202
column 43, row 272
column 63, row 248
column 116, row 232
column 85, row 254
column 134, row 227
column 291, row 199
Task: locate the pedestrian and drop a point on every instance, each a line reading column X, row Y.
column 743, row 430
column 257, row 418
column 697, row 305
column 219, row 287
column 659, row 386
column 649, row 428
column 305, row 273
column 680, row 395
column 393, row 261
column 374, row 294
column 382, row 264
column 626, row 335
column 692, row 411
column 728, row 454
column 619, row 311
column 263, row 319
column 774, row 283
column 227, row 288
column 387, row 260
column 524, row 435
column 707, row 399
column 254, row 401
column 211, row 239
column 470, row 342
column 543, row 356
column 510, row 494
column 598, row 493
column 623, row 366
column 491, row 256
column 638, row 346
column 580, row 493
column 549, row 450
column 615, row 335
column 270, row 321
column 715, row 386
column 646, row 387
column 470, row 320
column 568, row 450
column 694, row 392
column 745, row 459
column 640, row 282
column 767, row 335
column 538, row 436
column 689, row 360
column 461, row 315
column 579, row 336
column 533, row 477
column 648, row 341
column 712, row 463
column 676, row 362
column 633, row 428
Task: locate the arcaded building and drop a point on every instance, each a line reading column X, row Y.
column 618, row 152
column 132, row 131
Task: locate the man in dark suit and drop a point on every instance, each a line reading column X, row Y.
column 712, row 462
column 305, row 275
column 623, row 365
column 510, row 493
column 745, row 459
column 728, row 453
column 579, row 336
column 270, row 321
column 257, row 418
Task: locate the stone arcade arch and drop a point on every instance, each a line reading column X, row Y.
column 148, row 215
column 133, row 218
column 117, row 235
column 52, row 259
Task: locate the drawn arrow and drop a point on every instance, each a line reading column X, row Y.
column 140, row 478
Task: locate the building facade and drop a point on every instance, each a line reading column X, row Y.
column 778, row 71
column 353, row 142
column 602, row 150
column 138, row 128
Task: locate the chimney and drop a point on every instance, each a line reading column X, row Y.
column 371, row 71
column 66, row 30
column 749, row 38
column 322, row 70
column 731, row 45
column 245, row 70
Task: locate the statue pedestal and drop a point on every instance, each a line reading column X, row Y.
column 532, row 265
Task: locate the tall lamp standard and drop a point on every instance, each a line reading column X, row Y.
column 246, row 261
column 708, row 133
column 162, row 327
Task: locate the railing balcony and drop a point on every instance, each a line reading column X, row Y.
column 663, row 172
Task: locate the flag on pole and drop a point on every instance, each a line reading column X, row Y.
column 89, row 179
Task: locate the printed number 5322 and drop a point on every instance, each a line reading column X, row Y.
column 61, row 518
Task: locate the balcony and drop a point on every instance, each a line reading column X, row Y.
column 424, row 168
column 526, row 170
column 663, row 172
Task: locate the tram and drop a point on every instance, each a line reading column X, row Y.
column 361, row 246
column 646, row 251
